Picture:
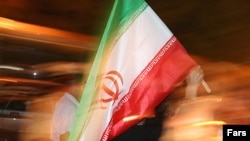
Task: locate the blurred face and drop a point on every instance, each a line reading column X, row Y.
column 77, row 90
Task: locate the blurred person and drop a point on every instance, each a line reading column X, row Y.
column 65, row 111
column 193, row 117
column 37, row 117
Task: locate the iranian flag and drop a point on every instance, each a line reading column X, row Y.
column 138, row 63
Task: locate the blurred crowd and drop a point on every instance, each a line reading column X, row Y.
column 180, row 117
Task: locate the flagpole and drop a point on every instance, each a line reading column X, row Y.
column 205, row 86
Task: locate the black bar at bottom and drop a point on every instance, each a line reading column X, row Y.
column 236, row 132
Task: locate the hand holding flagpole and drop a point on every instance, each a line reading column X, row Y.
column 193, row 80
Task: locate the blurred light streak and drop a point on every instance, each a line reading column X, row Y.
column 7, row 23
column 42, row 82
column 11, row 67
column 8, row 80
column 67, row 40
column 206, row 123
column 139, row 117
column 130, row 118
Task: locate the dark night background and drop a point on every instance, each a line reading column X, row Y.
column 217, row 29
